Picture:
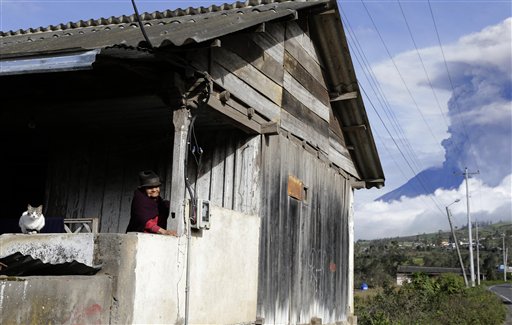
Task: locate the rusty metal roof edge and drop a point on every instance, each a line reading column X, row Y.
column 146, row 17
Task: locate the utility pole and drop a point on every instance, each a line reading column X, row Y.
column 504, row 260
column 470, row 235
column 457, row 244
column 477, row 255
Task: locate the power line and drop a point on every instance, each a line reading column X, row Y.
column 399, row 73
column 366, row 66
column 450, row 78
column 418, row 176
column 451, row 83
column 393, row 158
column 422, row 63
column 398, row 147
column 379, row 93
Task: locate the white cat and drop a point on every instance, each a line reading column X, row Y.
column 32, row 220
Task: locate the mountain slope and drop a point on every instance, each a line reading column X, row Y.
column 426, row 182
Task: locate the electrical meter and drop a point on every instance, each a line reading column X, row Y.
column 203, row 215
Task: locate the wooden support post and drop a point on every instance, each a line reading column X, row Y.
column 181, row 120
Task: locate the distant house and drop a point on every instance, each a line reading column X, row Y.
column 404, row 272
column 266, row 90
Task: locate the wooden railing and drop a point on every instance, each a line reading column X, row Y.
column 87, row 225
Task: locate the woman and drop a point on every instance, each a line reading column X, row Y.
column 149, row 211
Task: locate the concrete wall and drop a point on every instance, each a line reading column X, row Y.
column 143, row 276
column 55, row 300
column 115, row 252
column 223, row 273
column 224, row 270
column 159, row 279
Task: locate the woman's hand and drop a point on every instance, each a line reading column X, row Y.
column 163, row 231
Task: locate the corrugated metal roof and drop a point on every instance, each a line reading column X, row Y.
column 171, row 27
column 18, row 264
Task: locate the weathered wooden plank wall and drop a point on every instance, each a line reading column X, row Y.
column 279, row 73
column 229, row 171
column 257, row 82
column 306, row 103
column 304, row 244
column 306, row 98
column 95, row 175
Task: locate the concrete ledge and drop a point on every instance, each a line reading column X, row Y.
column 55, row 300
column 50, row 248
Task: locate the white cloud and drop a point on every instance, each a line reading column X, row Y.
column 491, row 46
column 411, row 216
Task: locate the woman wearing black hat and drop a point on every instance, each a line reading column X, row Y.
column 149, row 211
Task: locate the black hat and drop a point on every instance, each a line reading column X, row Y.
column 148, row 178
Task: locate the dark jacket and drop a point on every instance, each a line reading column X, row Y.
column 144, row 208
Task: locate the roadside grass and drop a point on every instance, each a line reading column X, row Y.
column 365, row 294
column 489, row 283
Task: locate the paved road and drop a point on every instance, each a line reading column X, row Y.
column 505, row 292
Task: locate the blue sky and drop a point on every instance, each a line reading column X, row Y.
column 476, row 43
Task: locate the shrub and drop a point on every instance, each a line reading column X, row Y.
column 473, row 306
column 444, row 300
column 451, row 283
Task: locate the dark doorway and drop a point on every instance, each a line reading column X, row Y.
column 23, row 165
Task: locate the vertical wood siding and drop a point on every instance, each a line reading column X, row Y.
column 95, row 175
column 304, row 244
column 229, row 173
column 92, row 177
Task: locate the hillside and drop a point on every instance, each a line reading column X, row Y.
column 376, row 260
column 488, row 233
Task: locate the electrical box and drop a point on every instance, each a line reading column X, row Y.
column 203, row 215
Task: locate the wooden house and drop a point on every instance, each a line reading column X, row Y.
column 256, row 102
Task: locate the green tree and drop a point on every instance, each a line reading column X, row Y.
column 489, row 268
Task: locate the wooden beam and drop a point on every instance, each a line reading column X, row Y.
column 237, row 118
column 329, row 12
column 181, row 120
column 354, row 128
column 270, row 128
column 357, row 185
column 345, row 96
column 260, row 28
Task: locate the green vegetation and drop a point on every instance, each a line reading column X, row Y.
column 376, row 261
column 443, row 300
